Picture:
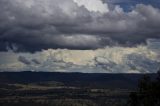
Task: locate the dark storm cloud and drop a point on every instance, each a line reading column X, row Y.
column 41, row 24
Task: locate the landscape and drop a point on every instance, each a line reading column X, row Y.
column 79, row 53
column 67, row 89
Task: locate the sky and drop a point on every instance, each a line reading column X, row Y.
column 90, row 36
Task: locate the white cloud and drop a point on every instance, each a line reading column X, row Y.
column 38, row 24
column 139, row 59
column 9, row 61
column 93, row 5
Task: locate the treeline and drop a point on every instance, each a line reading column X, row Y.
column 148, row 92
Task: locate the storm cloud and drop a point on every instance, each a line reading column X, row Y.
column 33, row 25
column 140, row 59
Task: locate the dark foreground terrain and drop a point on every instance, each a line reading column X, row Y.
column 66, row 89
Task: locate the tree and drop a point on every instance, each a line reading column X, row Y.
column 148, row 93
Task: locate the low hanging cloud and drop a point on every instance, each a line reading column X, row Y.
column 33, row 25
column 140, row 59
column 24, row 60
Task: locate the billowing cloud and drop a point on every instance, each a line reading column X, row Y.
column 79, row 35
column 33, row 25
column 140, row 59
column 93, row 5
column 24, row 60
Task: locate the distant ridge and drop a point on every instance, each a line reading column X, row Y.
column 94, row 80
